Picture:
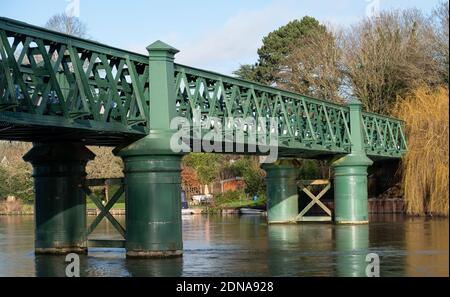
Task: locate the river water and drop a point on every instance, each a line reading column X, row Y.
column 246, row 246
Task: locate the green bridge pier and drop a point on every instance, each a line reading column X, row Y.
column 78, row 93
column 60, row 204
column 350, row 182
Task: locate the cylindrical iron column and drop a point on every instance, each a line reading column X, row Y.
column 282, row 193
column 152, row 168
column 153, row 199
column 350, row 175
column 350, row 190
column 60, row 203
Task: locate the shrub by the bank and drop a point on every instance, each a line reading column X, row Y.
column 248, row 168
column 235, row 199
column 228, row 196
column 15, row 174
column 15, row 208
column 425, row 165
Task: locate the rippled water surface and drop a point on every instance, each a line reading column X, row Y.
column 247, row 246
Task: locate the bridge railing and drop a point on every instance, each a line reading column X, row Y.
column 48, row 73
column 303, row 122
column 383, row 136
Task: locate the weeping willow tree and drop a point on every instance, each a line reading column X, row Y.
column 425, row 165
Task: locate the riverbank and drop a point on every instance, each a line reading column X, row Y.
column 376, row 205
column 16, row 208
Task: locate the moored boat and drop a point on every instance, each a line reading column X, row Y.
column 246, row 210
column 187, row 211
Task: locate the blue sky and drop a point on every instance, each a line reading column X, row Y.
column 218, row 35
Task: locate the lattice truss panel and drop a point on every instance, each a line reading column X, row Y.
column 302, row 122
column 52, row 75
column 383, row 135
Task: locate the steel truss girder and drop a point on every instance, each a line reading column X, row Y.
column 65, row 81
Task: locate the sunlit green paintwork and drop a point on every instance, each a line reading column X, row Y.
column 350, row 175
column 282, row 194
column 153, row 205
column 152, row 171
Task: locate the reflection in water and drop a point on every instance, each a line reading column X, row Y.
column 108, row 262
column 246, row 246
column 300, row 249
column 55, row 265
column 387, row 239
column 155, row 267
column 430, row 245
column 50, row 266
column 224, row 246
column 352, row 243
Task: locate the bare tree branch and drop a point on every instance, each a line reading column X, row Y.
column 67, row 24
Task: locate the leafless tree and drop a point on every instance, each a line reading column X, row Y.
column 314, row 67
column 441, row 42
column 105, row 164
column 387, row 55
column 67, row 24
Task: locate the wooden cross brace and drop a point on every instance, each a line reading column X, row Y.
column 305, row 186
column 104, row 210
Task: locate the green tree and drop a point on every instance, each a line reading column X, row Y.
column 309, row 169
column 276, row 47
column 16, row 180
column 278, row 44
column 302, row 56
column 248, row 168
column 206, row 165
column 247, row 72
